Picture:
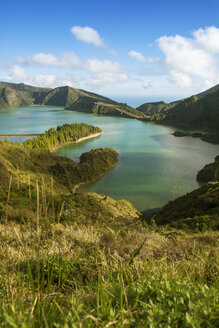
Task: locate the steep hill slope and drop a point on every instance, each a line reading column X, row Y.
column 199, row 207
column 195, row 112
column 210, row 172
column 15, row 95
column 65, row 96
column 88, row 102
column 199, row 111
column 156, row 107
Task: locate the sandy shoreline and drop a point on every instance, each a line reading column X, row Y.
column 90, row 136
column 79, row 140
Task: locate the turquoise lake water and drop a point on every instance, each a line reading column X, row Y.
column 154, row 167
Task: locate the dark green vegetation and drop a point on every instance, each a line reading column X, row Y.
column 198, row 209
column 88, row 102
column 210, row 172
column 199, row 111
column 212, row 138
column 64, row 134
column 15, row 95
column 158, row 107
column 180, row 134
column 29, row 170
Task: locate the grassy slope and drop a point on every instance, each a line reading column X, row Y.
column 200, row 111
column 195, row 112
column 102, row 272
column 15, row 95
column 198, row 209
column 153, row 108
column 210, row 172
column 200, row 206
column 84, row 101
column 99, row 265
column 21, row 163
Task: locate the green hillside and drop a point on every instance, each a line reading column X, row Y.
column 198, row 111
column 84, row 101
column 195, row 112
column 198, row 208
column 210, row 172
column 156, row 107
column 15, row 95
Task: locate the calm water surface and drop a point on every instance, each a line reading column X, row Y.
column 154, row 167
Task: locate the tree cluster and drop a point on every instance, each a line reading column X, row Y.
column 62, row 135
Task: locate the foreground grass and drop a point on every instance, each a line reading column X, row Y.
column 106, row 273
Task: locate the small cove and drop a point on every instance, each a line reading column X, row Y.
column 154, row 167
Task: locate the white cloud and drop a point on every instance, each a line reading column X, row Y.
column 141, row 57
column 208, row 38
column 69, row 60
column 192, row 58
column 87, row 35
column 17, row 74
column 97, row 66
column 72, row 80
column 46, row 80
column 104, row 80
column 182, row 79
column 52, row 81
column 14, row 74
column 104, row 72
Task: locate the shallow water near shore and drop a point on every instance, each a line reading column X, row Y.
column 154, row 167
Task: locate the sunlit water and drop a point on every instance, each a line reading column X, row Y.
column 154, row 167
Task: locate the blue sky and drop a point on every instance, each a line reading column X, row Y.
column 135, row 50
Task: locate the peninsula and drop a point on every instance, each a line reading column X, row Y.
column 65, row 134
